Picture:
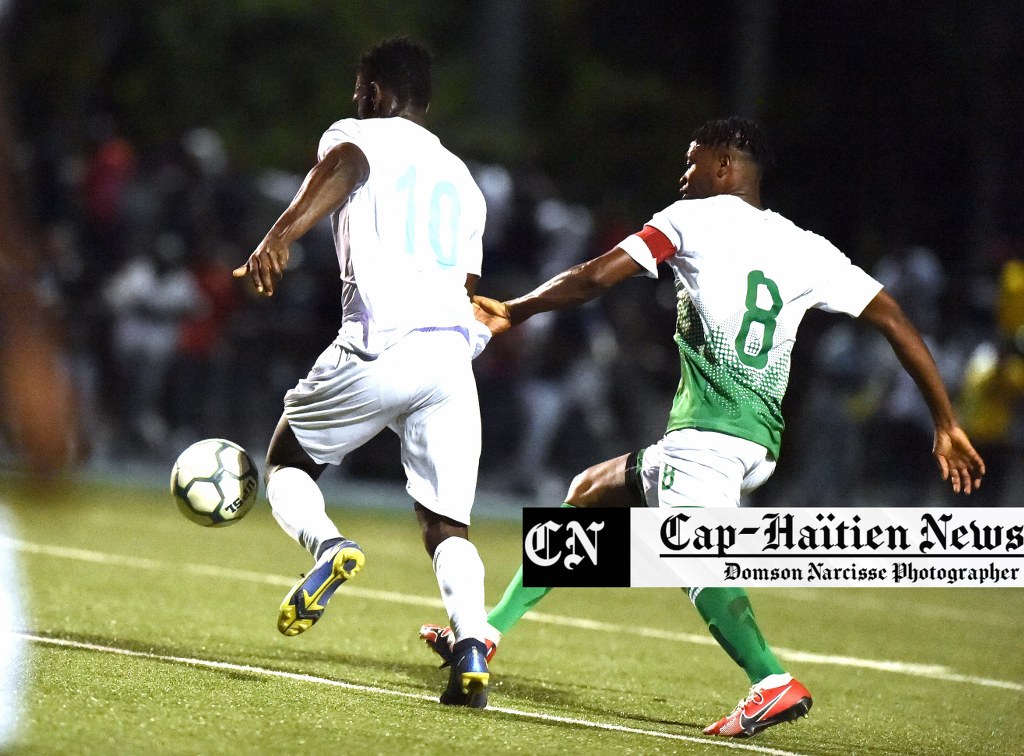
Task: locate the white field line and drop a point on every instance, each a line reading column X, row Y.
column 297, row 677
column 929, row 671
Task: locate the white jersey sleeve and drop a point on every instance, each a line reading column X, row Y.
column 346, row 130
column 844, row 287
column 642, row 255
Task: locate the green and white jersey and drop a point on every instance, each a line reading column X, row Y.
column 744, row 279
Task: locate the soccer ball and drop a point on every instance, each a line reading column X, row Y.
column 214, row 482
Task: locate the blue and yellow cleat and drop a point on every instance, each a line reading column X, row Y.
column 468, row 676
column 305, row 603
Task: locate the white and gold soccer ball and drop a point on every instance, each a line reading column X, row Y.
column 214, row 482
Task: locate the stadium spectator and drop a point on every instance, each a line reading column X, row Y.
column 565, row 361
column 198, row 395
column 834, row 410
column 901, row 420
column 992, row 398
column 150, row 297
column 110, row 172
column 745, row 278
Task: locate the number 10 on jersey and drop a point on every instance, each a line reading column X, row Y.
column 442, row 217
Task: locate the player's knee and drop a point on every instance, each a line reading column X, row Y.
column 580, row 489
column 436, row 529
column 602, row 485
column 270, row 468
column 435, row 535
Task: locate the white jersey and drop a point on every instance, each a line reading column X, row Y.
column 407, row 238
column 745, row 278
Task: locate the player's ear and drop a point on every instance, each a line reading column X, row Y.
column 724, row 163
column 376, row 97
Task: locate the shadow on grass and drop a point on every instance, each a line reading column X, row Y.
column 510, row 691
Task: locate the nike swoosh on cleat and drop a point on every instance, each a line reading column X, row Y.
column 746, row 721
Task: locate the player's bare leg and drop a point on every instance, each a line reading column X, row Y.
column 602, row 485
column 299, row 508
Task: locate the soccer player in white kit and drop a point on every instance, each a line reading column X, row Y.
column 408, row 220
column 745, row 277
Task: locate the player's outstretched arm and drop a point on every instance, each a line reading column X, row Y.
column 959, row 462
column 575, row 286
column 327, row 186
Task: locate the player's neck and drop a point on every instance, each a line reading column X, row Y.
column 416, row 115
column 750, row 196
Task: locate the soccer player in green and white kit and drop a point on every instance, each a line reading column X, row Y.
column 745, row 276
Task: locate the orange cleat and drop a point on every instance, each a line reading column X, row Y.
column 441, row 641
column 763, row 708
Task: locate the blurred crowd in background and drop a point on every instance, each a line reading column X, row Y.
column 162, row 347
column 153, row 144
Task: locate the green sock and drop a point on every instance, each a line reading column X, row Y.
column 730, row 619
column 516, row 602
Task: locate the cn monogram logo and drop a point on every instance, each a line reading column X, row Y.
column 575, row 548
column 542, row 547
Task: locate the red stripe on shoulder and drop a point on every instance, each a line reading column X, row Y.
column 659, row 244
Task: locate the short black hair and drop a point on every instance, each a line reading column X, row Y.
column 740, row 133
column 401, row 65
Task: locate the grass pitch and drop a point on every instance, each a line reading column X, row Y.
column 147, row 634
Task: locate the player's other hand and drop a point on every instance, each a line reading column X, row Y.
column 265, row 265
column 961, row 465
column 492, row 313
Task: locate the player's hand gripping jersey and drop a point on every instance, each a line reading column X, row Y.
column 744, row 279
column 407, row 238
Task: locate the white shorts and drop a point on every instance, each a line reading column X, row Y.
column 423, row 389
column 698, row 468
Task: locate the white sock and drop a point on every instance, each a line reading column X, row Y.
column 492, row 634
column 460, row 576
column 775, row 681
column 299, row 508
